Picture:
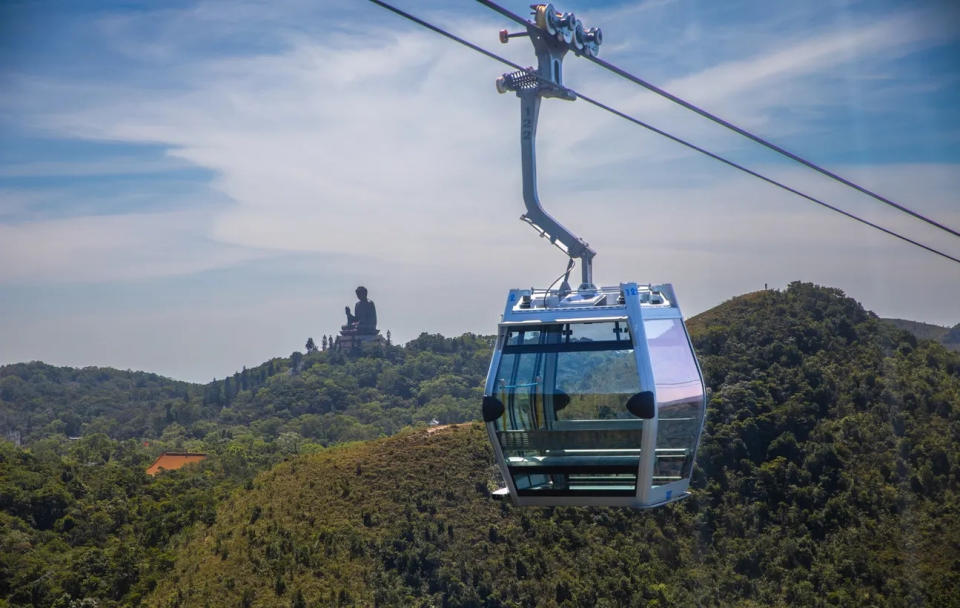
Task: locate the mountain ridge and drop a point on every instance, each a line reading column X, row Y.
column 949, row 337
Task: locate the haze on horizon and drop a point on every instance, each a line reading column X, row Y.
column 194, row 187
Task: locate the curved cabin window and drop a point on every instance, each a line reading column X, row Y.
column 565, row 429
column 679, row 398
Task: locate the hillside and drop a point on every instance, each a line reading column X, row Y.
column 39, row 400
column 828, row 476
column 90, row 525
column 949, row 337
column 79, row 519
column 320, row 397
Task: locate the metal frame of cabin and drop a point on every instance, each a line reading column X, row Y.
column 552, row 459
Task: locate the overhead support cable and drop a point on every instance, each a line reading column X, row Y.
column 769, row 180
column 727, row 124
column 447, row 34
column 669, row 136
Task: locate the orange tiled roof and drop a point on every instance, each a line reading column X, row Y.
column 171, row 461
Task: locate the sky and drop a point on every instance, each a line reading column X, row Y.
column 190, row 187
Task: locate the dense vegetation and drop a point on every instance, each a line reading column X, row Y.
column 828, row 475
column 323, row 396
column 79, row 518
column 39, row 401
column 89, row 523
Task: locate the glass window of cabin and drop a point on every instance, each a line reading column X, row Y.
column 679, row 398
column 565, row 428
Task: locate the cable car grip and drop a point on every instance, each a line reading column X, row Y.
column 530, row 86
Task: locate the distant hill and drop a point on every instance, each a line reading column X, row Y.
column 325, row 397
column 949, row 337
column 38, row 400
column 828, row 475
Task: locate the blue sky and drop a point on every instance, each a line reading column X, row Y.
column 190, row 187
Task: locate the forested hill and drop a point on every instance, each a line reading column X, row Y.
column 949, row 337
column 321, row 397
column 81, row 524
column 828, row 476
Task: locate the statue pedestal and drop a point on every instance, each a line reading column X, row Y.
column 351, row 339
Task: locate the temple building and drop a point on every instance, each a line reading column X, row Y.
column 171, row 461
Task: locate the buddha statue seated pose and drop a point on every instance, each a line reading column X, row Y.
column 363, row 319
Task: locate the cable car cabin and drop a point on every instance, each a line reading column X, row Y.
column 595, row 398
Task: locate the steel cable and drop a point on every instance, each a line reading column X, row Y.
column 728, row 125
column 673, row 138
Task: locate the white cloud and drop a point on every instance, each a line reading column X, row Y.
column 94, row 167
column 889, row 38
column 111, row 247
column 15, row 201
column 778, row 78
